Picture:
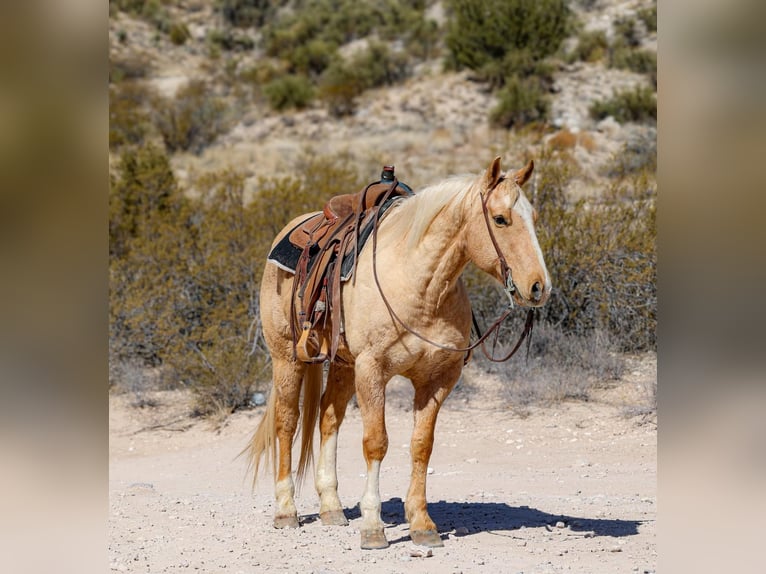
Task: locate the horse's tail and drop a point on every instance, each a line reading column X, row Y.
column 264, row 443
column 312, row 393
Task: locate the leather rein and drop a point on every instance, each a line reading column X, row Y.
column 509, row 288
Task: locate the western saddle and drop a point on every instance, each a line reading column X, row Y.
column 327, row 240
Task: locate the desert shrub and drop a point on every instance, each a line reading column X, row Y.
column 290, row 91
column 152, row 11
column 246, row 13
column 143, row 194
column 185, row 270
column 128, row 117
column 649, row 17
column 601, row 257
column 339, row 88
column 229, row 40
column 639, row 61
column 372, row 67
column 636, row 105
column 520, row 102
column 132, row 67
column 424, row 41
column 191, row 120
column 517, row 64
column 591, row 46
column 179, row 33
column 638, row 155
column 625, row 31
column 312, row 58
column 483, row 31
column 184, row 295
column 321, row 26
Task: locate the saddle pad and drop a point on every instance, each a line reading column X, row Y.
column 285, row 255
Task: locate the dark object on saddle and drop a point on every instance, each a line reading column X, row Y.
column 322, row 252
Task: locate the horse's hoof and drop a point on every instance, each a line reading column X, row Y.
column 428, row 538
column 287, row 521
column 373, row 540
column 333, row 518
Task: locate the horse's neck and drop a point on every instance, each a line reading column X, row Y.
column 440, row 256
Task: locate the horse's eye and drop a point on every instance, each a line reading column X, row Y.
column 500, row 221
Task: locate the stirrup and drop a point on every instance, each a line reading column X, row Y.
column 312, row 346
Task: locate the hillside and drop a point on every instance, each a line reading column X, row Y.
column 431, row 123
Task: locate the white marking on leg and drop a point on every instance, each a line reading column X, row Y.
column 370, row 503
column 326, row 480
column 285, row 491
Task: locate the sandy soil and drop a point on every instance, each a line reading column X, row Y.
column 565, row 488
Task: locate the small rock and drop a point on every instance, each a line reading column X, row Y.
column 430, row 470
column 416, row 552
column 615, row 549
column 560, row 524
column 258, row 399
column 461, row 531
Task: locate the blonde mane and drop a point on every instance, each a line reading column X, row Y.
column 415, row 214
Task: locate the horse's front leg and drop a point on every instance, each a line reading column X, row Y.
column 371, row 396
column 430, row 393
column 339, row 390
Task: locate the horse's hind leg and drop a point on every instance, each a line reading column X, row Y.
column 430, row 393
column 340, row 388
column 287, row 384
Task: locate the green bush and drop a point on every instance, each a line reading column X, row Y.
column 132, row 67
column 246, row 13
column 152, row 11
column 142, row 195
column 626, row 32
column 484, row 31
column 639, row 61
column 179, row 33
column 184, row 296
column 601, row 256
column 312, row 58
column 636, row 105
column 128, row 116
column 520, row 102
column 192, row 120
column 591, row 46
column 649, row 17
column 291, row 91
column 229, row 40
column 343, row 81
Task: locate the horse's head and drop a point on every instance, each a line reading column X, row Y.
column 501, row 235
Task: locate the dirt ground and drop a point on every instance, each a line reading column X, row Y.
column 569, row 487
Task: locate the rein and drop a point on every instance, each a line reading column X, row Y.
column 508, row 288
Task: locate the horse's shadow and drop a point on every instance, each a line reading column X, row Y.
column 476, row 517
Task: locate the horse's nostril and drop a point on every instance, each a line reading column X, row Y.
column 537, row 291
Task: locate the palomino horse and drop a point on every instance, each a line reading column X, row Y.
column 423, row 244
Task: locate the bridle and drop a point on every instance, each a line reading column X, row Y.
column 508, row 287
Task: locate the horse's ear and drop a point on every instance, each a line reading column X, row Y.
column 492, row 176
column 523, row 174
